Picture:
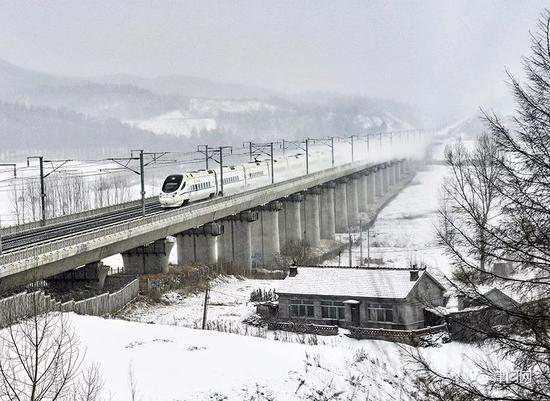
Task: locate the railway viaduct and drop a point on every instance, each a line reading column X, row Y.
column 223, row 231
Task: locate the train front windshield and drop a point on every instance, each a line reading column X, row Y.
column 172, row 183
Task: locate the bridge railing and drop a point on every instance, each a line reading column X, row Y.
column 16, row 229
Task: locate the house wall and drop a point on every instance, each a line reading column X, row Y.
column 401, row 312
column 426, row 293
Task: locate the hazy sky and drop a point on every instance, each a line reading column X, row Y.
column 431, row 53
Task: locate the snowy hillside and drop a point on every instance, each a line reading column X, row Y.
column 175, row 123
column 217, row 106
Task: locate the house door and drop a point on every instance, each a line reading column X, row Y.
column 355, row 315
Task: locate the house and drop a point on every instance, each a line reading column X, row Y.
column 493, row 297
column 359, row 297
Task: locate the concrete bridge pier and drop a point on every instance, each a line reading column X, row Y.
column 242, row 256
column 393, row 173
column 362, row 192
column 199, row 245
column 311, row 213
column 326, row 214
column 387, row 177
column 149, row 259
column 371, row 186
column 379, row 180
column 226, row 243
column 352, row 198
column 407, row 166
column 397, row 171
column 290, row 220
column 265, row 234
column 341, row 206
column 90, row 275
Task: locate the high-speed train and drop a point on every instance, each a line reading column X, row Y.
column 182, row 188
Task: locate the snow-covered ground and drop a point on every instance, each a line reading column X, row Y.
column 174, row 363
column 405, row 230
column 229, row 302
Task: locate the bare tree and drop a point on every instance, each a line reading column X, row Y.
column 39, row 356
column 132, row 384
column 90, row 385
column 298, row 251
column 472, row 195
column 500, row 211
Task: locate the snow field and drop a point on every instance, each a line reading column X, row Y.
column 174, row 363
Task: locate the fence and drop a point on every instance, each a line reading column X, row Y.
column 411, row 337
column 306, row 328
column 23, row 305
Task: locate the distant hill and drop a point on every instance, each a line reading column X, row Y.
column 183, row 85
column 475, row 125
column 41, row 111
column 15, row 80
column 60, row 132
column 101, row 100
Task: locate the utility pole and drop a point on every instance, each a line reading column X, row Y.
column 210, row 152
column 332, row 150
column 141, row 171
column 361, row 242
column 42, row 186
column 352, row 149
column 204, row 150
column 43, row 176
column 142, row 181
column 206, row 293
column 368, row 143
column 307, row 155
column 368, row 246
column 258, row 149
column 350, row 245
column 15, row 176
column 272, row 163
column 221, row 164
column 221, row 170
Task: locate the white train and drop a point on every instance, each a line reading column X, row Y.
column 180, row 189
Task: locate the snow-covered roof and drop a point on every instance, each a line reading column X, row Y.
column 350, row 282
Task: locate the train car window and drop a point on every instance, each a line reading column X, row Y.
column 172, row 183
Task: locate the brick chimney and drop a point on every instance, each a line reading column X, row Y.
column 413, row 274
column 293, row 271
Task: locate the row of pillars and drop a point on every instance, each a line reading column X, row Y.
column 255, row 237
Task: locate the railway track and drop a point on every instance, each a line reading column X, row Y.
column 49, row 232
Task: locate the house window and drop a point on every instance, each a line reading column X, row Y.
column 301, row 308
column 333, row 310
column 380, row 312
